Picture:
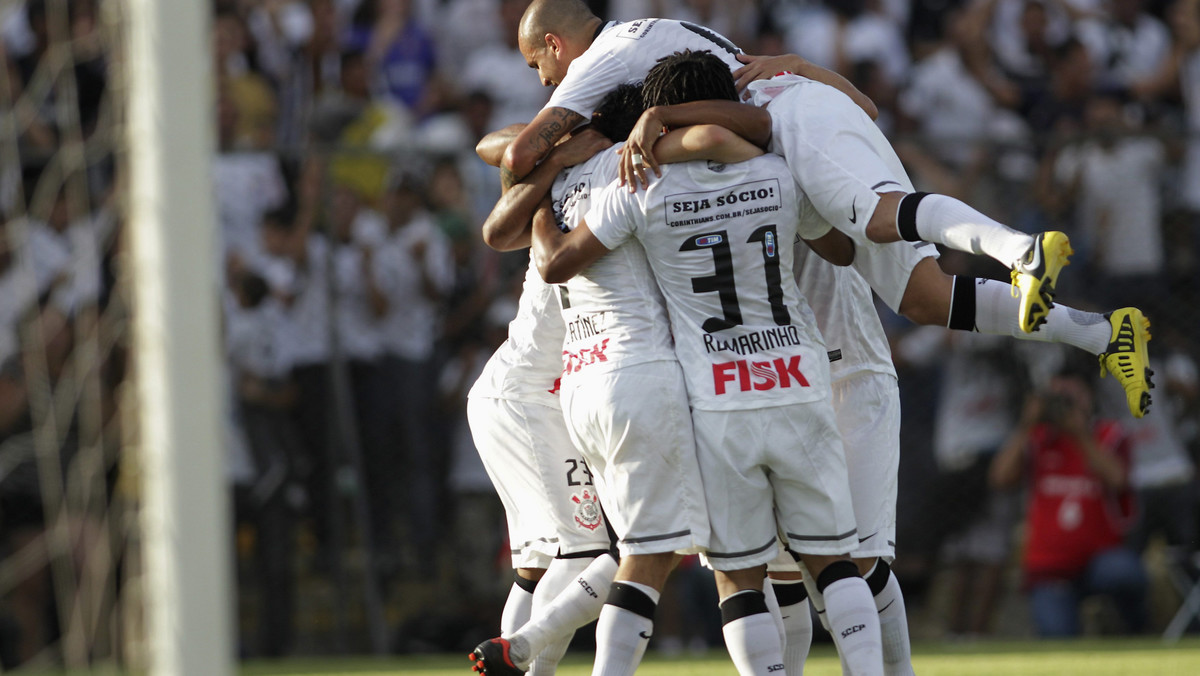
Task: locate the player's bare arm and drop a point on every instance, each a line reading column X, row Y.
column 507, row 226
column 491, row 148
column 764, row 67
column 834, row 246
column 704, row 142
column 559, row 255
column 749, row 122
column 534, row 141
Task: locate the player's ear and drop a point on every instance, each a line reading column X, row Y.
column 554, row 43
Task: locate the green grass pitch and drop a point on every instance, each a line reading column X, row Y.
column 1106, row 657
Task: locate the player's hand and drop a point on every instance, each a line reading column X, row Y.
column 764, row 68
column 580, row 148
column 640, row 145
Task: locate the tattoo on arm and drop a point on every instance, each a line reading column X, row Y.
column 546, row 134
column 507, row 178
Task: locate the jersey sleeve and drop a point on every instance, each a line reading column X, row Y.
column 812, row 225
column 588, row 80
column 613, row 218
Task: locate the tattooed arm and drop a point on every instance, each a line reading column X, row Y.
column 532, row 144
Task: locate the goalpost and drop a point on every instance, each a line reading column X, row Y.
column 184, row 512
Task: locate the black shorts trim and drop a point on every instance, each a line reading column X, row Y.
column 823, row 538
column 734, row 555
column 656, row 538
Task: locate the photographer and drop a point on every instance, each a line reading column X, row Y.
column 1080, row 506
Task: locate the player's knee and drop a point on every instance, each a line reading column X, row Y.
column 927, row 297
column 881, row 227
column 838, row 570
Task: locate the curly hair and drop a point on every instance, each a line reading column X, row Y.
column 688, row 76
column 618, row 112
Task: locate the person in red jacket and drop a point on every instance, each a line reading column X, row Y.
column 1080, row 505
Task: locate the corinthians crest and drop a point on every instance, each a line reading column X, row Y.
column 587, row 509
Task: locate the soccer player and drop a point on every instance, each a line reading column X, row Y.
column 718, row 238
column 921, row 291
column 554, row 519
column 556, row 33
column 624, row 399
column 865, row 395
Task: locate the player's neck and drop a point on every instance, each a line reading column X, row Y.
column 593, row 27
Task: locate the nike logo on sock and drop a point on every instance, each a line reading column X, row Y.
column 644, row 635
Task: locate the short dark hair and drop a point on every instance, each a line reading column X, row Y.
column 618, row 112
column 254, row 289
column 282, row 217
column 688, row 76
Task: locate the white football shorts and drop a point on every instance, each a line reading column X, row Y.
column 633, row 426
column 836, row 153
column 868, row 415
column 887, row 267
column 778, row 470
column 546, row 486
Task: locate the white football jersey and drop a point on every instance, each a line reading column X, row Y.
column 845, row 310
column 527, row 366
column 719, row 239
column 615, row 315
column 623, row 53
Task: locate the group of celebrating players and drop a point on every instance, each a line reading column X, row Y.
column 697, row 365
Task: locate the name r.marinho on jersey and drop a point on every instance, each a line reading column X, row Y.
column 755, row 341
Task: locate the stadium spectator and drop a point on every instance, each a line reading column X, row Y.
column 1125, row 42
column 1079, row 510
column 359, row 305
column 364, row 130
column 296, row 266
column 249, row 91
column 1111, row 176
column 500, row 71
column 265, row 397
column 415, row 272
column 400, row 53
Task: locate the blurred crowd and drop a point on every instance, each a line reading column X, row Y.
column 360, row 302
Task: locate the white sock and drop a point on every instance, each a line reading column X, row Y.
column 798, row 630
column 516, row 609
column 623, row 634
column 815, row 597
column 775, row 611
column 561, row 573
column 996, row 313
column 546, row 663
column 574, row 607
column 893, row 629
column 945, row 220
column 751, row 635
column 854, row 623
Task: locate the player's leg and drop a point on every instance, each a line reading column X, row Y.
column 1117, row 338
column 551, row 626
column 931, row 297
column 626, row 622
column 549, row 501
column 813, row 503
column 575, row 606
column 750, row 633
column 634, row 426
column 787, row 584
column 855, row 181
column 729, row 447
column 520, row 598
column 868, row 417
